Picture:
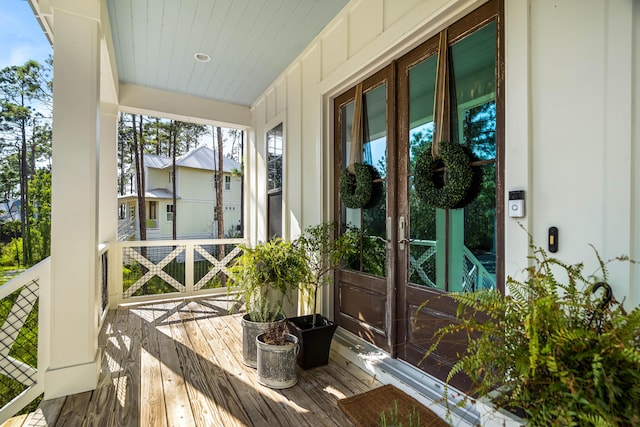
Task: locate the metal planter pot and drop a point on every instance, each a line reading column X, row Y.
column 277, row 366
column 250, row 330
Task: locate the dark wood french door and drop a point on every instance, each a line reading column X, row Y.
column 413, row 256
column 364, row 292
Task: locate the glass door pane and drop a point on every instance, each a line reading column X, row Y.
column 371, row 222
column 472, row 231
column 426, row 225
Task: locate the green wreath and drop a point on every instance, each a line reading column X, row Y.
column 436, row 190
column 361, row 189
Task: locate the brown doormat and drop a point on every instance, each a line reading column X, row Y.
column 364, row 409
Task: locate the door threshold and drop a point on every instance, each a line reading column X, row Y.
column 423, row 387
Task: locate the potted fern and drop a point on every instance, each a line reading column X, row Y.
column 324, row 252
column 558, row 349
column 263, row 278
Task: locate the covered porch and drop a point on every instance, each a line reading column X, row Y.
column 565, row 82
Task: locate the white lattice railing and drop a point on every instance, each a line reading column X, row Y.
column 155, row 269
column 23, row 337
column 425, row 250
column 474, row 275
column 126, row 228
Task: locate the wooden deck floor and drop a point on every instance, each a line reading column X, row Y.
column 179, row 363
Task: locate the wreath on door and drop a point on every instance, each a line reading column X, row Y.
column 447, row 182
column 361, row 189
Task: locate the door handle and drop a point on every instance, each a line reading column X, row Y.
column 401, row 233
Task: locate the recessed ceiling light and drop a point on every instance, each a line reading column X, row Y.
column 202, row 57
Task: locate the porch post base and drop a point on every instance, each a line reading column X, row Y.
column 69, row 380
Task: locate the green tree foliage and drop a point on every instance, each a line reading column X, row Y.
column 9, row 176
column 25, row 135
column 479, row 134
column 11, row 253
column 40, row 208
column 9, row 230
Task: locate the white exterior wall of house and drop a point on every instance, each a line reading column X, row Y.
column 572, row 92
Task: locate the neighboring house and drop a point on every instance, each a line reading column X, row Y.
column 195, row 196
column 9, row 210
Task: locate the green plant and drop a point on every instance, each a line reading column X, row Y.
column 413, row 418
column 555, row 349
column 11, row 253
column 324, row 252
column 264, row 276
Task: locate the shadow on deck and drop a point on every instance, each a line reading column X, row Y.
column 179, row 363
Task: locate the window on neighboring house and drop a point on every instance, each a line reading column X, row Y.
column 227, row 183
column 170, row 213
column 152, row 221
column 170, row 177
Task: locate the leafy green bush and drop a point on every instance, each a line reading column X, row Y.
column 554, row 349
column 324, row 253
column 11, row 253
column 264, row 276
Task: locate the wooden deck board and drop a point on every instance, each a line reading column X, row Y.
column 152, row 404
column 127, row 402
column 111, row 341
column 176, row 398
column 179, row 363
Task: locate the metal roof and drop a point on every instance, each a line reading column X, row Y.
column 201, row 157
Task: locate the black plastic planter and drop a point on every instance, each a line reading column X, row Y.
column 315, row 342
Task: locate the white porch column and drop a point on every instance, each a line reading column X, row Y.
column 73, row 360
column 108, row 174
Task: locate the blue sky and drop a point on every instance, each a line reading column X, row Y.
column 21, row 37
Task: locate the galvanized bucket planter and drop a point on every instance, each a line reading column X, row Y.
column 277, row 366
column 250, row 330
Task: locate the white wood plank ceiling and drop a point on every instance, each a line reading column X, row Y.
column 250, row 43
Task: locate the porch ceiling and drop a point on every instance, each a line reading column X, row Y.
column 250, row 43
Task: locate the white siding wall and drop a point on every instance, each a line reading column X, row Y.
column 157, row 178
column 582, row 175
column 571, row 114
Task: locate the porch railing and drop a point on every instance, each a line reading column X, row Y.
column 156, row 269
column 126, row 228
column 23, row 338
column 475, row 275
column 150, row 270
column 422, row 261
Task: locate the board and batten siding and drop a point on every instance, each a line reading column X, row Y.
column 572, row 89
